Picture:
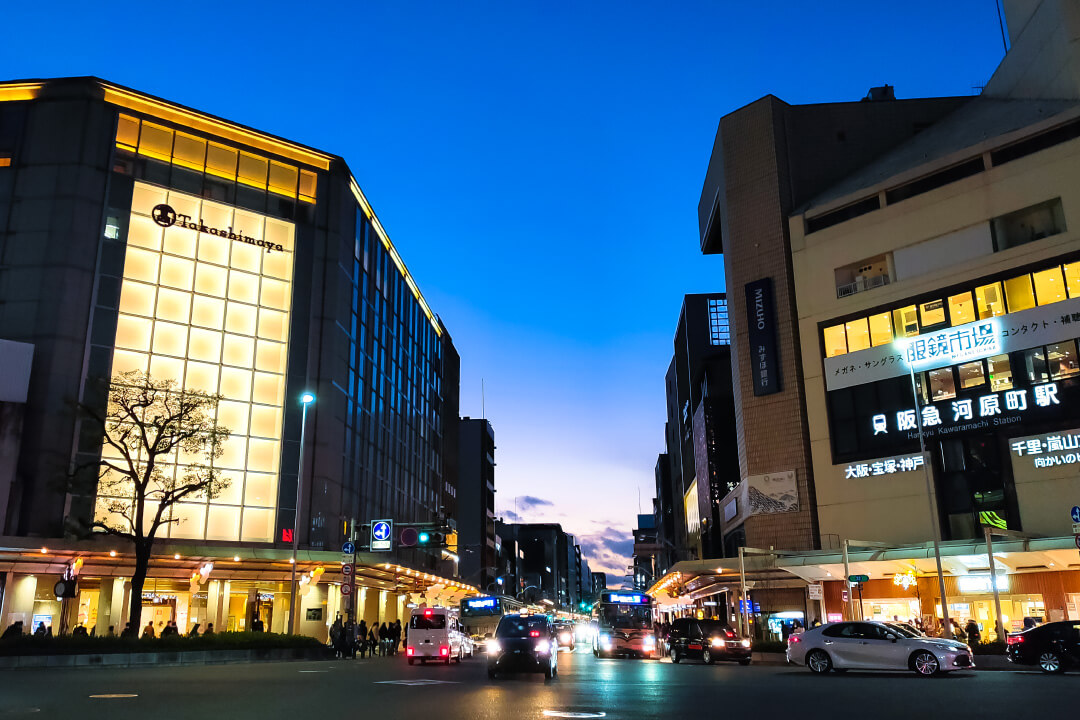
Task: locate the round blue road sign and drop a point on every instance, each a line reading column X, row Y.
column 380, row 531
column 348, row 548
column 1076, row 513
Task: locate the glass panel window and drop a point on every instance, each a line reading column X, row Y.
column 942, row 385
column 932, row 313
column 962, row 309
column 1062, row 360
column 990, row 300
column 1035, row 365
column 189, row 151
column 252, row 170
column 1072, row 279
column 1018, row 293
column 1000, row 372
column 127, row 132
column 156, row 142
column 1049, row 285
column 221, row 161
column 858, row 335
column 881, row 329
column 971, row 375
column 283, row 179
column 223, row 523
column 906, row 321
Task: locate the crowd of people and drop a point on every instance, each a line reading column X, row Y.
column 350, row 639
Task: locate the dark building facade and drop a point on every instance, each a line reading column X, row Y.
column 476, row 502
column 701, row 455
column 140, row 235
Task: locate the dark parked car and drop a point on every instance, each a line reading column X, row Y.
column 523, row 643
column 709, row 640
column 1053, row 646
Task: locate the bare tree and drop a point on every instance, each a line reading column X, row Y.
column 160, row 443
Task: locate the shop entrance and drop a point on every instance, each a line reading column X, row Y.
column 975, row 486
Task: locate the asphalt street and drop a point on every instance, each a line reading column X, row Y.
column 585, row 687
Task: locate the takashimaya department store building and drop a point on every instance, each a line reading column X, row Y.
column 137, row 234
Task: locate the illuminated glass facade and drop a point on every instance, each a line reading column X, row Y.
column 212, row 313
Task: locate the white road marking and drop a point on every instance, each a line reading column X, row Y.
column 311, row 671
column 110, row 696
column 568, row 714
column 413, row 683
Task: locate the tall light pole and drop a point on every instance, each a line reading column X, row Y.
column 305, row 400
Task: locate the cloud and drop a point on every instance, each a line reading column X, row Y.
column 510, row 516
column 608, row 550
column 530, row 502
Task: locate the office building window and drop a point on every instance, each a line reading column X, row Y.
column 718, row 322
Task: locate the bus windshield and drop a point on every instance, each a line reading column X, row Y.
column 627, row 617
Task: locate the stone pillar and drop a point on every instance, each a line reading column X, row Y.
column 125, row 604
column 213, row 605
column 104, row 608
column 7, row 598
column 250, row 609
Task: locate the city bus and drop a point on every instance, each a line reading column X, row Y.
column 624, row 625
column 481, row 615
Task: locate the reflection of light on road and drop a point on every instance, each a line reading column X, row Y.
column 568, row 714
column 114, row 695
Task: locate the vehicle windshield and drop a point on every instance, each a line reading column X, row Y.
column 519, row 627
column 627, row 617
column 714, row 627
column 428, row 622
column 904, row 630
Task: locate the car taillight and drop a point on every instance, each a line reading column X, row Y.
column 534, row 633
column 1014, row 639
column 409, row 652
column 794, row 639
column 729, row 633
column 443, row 650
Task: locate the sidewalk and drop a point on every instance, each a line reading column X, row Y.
column 146, row 659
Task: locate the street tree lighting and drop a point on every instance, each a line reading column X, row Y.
column 305, row 399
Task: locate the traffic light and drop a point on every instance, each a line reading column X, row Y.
column 422, row 537
column 435, row 538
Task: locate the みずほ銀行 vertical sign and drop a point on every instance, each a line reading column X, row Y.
column 761, row 321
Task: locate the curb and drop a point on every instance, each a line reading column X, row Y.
column 162, row 659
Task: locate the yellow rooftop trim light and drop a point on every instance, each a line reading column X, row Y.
column 13, row 92
column 208, row 124
column 384, row 238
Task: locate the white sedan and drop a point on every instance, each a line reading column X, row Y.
column 875, row 646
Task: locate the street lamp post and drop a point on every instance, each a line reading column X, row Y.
column 305, row 400
column 934, row 521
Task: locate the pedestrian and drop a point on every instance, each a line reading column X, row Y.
column 193, row 632
column 335, row 636
column 257, row 625
column 112, row 631
column 128, row 631
column 1029, row 622
column 350, row 639
column 974, row 635
column 209, row 629
column 397, row 635
column 39, row 631
column 148, row 631
column 79, row 631
column 48, row 632
column 13, row 630
column 170, row 630
column 372, row 646
column 361, row 637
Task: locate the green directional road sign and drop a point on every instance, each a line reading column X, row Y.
column 858, row 578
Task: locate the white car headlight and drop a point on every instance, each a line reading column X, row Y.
column 649, row 641
column 565, row 637
column 542, row 646
column 605, row 641
column 493, row 646
column 717, row 642
column 746, row 643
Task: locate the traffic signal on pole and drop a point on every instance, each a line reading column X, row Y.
column 422, row 537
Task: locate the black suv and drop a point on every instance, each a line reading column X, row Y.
column 710, row 640
column 1053, row 646
column 524, row 643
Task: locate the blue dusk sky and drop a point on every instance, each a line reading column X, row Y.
column 537, row 164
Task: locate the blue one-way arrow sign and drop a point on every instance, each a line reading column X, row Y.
column 381, row 531
column 348, row 548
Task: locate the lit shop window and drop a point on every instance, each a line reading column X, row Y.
column 1051, row 285
column 201, row 155
column 206, row 302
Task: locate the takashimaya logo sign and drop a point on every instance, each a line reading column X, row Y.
column 165, row 216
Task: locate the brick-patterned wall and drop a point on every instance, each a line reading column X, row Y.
column 772, row 431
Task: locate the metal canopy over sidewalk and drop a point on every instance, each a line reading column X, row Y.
column 691, row 580
column 171, row 560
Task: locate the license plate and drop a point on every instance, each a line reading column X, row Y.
column 695, row 647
